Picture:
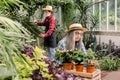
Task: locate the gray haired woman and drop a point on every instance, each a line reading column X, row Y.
column 73, row 39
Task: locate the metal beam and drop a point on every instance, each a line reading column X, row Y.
column 115, row 15
column 107, row 15
column 93, row 7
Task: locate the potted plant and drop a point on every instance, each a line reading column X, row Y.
column 91, row 62
column 65, row 57
column 78, row 58
column 90, row 66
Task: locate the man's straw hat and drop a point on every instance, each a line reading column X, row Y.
column 48, row 8
column 76, row 26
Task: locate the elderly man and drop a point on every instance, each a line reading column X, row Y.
column 50, row 29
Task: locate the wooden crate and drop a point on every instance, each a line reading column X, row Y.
column 96, row 75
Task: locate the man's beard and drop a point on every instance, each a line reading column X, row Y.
column 48, row 14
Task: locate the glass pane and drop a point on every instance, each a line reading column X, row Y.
column 103, row 17
column 111, row 15
column 96, row 11
column 90, row 12
column 118, row 15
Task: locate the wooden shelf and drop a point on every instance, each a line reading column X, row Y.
column 96, row 75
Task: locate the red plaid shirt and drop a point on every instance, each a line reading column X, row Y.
column 52, row 27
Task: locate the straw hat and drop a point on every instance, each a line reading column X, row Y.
column 48, row 8
column 76, row 26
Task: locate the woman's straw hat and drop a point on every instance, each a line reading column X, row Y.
column 76, row 26
column 48, row 8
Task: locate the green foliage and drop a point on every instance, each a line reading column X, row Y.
column 110, row 64
column 90, row 39
column 60, row 32
column 68, row 13
column 78, row 57
column 64, row 56
column 58, row 56
column 101, row 54
column 23, row 68
column 94, row 20
column 90, row 58
column 112, row 20
column 82, row 7
column 9, row 5
column 5, row 72
column 90, row 54
column 69, row 7
column 22, row 15
column 12, row 34
column 26, row 67
column 69, row 56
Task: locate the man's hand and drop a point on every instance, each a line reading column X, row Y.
column 42, row 35
column 35, row 21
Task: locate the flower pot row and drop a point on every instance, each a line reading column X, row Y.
column 79, row 68
column 68, row 57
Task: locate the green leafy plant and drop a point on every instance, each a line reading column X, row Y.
column 58, row 56
column 110, row 64
column 25, row 69
column 64, row 56
column 90, row 54
column 69, row 56
column 10, row 5
column 59, row 32
column 12, row 33
column 91, row 60
column 78, row 57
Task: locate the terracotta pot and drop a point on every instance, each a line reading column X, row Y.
column 67, row 66
column 80, row 67
column 90, row 69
